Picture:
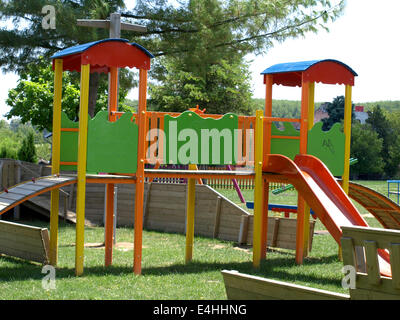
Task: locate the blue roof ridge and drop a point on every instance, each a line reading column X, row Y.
column 83, row 47
column 300, row 66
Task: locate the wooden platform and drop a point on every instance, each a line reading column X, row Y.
column 205, row 174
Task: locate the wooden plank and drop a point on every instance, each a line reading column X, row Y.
column 275, row 232
column 244, row 229
column 217, row 218
column 348, row 253
column 385, row 286
column 23, row 241
column 249, row 287
column 395, row 264
column 11, row 196
column 371, row 255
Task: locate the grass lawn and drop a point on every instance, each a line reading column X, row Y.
column 165, row 275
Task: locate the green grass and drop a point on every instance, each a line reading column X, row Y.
column 164, row 273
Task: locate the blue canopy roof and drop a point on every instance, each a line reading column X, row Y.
column 300, row 66
column 83, row 47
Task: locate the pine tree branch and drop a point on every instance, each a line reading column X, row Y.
column 256, row 36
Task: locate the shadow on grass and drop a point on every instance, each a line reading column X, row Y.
column 272, row 268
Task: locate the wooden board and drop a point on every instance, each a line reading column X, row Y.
column 241, row 286
column 372, row 285
column 25, row 242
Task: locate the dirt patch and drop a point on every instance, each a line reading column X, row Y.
column 246, row 249
column 123, row 246
column 218, row 246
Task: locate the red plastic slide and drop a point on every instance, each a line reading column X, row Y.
column 324, row 195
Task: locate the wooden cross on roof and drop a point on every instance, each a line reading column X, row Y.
column 114, row 24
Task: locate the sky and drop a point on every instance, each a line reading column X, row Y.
column 365, row 37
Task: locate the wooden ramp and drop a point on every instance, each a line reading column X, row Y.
column 382, row 208
column 27, row 190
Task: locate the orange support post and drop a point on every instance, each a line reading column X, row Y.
column 139, row 193
column 303, row 150
column 109, row 227
column 267, row 114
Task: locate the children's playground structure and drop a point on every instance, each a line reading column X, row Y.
column 114, row 147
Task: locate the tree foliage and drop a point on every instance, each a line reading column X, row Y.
column 27, row 151
column 386, row 129
column 32, row 99
column 335, row 110
column 366, row 146
column 200, row 37
column 225, row 88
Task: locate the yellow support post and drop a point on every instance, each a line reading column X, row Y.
column 55, row 159
column 190, row 211
column 139, row 188
column 258, row 190
column 311, row 110
column 82, row 157
column 347, row 132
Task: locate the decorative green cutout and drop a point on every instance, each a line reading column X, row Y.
column 112, row 146
column 287, row 147
column 69, row 143
column 191, row 139
column 328, row 146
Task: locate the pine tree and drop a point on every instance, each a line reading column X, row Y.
column 27, row 152
column 196, row 34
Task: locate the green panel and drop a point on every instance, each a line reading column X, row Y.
column 191, row 139
column 287, row 147
column 112, row 146
column 328, row 146
column 69, row 143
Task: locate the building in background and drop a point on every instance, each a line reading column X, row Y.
column 359, row 114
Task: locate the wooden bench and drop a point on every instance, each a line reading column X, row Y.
column 25, row 242
column 362, row 244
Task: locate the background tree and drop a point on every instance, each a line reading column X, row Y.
column 225, row 88
column 386, row 131
column 27, row 42
column 32, row 99
column 27, row 152
column 366, row 146
column 335, row 110
column 199, row 34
